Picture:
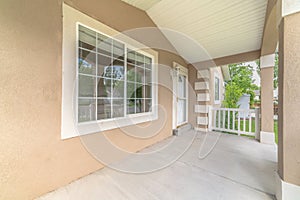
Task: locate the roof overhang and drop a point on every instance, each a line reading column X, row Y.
column 209, row 30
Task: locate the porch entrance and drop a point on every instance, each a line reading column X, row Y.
column 180, row 94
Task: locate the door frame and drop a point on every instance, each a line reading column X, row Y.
column 176, row 70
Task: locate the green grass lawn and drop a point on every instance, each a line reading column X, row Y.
column 276, row 131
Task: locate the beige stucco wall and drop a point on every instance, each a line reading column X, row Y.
column 34, row 160
column 289, row 103
column 267, row 113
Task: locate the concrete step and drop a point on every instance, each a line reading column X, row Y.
column 182, row 129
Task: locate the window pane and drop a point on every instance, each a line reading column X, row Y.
column 130, row 56
column 130, row 73
column 118, row 108
column 103, row 109
column 139, row 75
column 118, row 50
column 130, row 90
column 87, row 86
column 181, row 86
column 148, row 91
column 86, row 110
column 148, row 62
column 148, row 104
column 103, row 61
column 118, row 88
column 139, row 59
column 86, row 62
column 104, row 45
column 139, row 103
column 87, row 38
column 104, row 87
column 118, row 70
column 139, row 90
column 130, row 106
column 148, row 76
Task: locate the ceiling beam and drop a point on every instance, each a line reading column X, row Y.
column 237, row 58
column 270, row 36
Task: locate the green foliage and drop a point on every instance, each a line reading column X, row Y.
column 232, row 95
column 241, row 83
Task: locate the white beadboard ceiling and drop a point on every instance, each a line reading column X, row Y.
column 204, row 29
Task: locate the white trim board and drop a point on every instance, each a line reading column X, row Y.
column 202, row 120
column 201, row 109
column 201, row 85
column 267, row 61
column 286, row 191
column 203, row 74
column 267, row 137
column 69, row 126
column 203, row 97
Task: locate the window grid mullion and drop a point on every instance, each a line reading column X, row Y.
column 111, row 83
column 137, row 59
column 96, row 78
column 125, row 80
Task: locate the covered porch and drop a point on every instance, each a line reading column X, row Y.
column 215, row 166
column 43, row 149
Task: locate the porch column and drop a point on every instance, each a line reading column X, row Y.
column 267, row 64
column 288, row 183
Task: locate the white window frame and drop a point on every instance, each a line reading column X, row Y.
column 70, row 126
column 217, row 101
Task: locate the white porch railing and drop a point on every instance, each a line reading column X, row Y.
column 234, row 120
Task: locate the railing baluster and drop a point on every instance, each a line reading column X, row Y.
column 233, row 120
column 239, row 123
column 215, row 118
column 223, row 122
column 228, row 119
column 250, row 123
column 219, row 119
column 244, row 128
column 219, row 116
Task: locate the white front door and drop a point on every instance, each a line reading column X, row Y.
column 180, row 102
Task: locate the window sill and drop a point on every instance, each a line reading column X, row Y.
column 110, row 124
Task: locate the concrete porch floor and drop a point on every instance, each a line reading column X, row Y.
column 236, row 168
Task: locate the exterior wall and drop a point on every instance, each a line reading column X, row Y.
column 34, row 160
column 202, row 94
column 289, row 104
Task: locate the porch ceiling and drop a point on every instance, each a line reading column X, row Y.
column 219, row 27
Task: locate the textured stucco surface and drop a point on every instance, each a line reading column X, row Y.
column 289, row 99
column 267, row 113
column 34, row 160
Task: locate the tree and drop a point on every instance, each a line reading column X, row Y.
column 241, row 83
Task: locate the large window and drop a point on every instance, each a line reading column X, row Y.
column 114, row 80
